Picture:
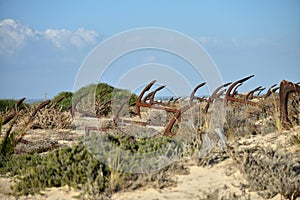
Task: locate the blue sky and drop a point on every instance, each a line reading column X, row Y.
column 43, row 43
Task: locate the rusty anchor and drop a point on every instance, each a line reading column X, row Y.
column 232, row 92
column 286, row 88
column 179, row 112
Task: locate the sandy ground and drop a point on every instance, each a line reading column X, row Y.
column 224, row 177
column 62, row 193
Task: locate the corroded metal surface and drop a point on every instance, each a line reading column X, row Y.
column 193, row 97
column 286, row 88
column 116, row 118
column 260, row 91
column 179, row 112
column 149, row 102
column 54, row 103
column 147, row 99
column 250, row 94
column 9, row 117
column 215, row 95
column 232, row 92
column 41, row 106
column 271, row 90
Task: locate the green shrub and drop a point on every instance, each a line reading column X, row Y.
column 66, row 103
column 113, row 93
column 270, row 172
column 18, row 163
column 8, row 141
column 66, row 166
column 133, row 154
column 77, row 167
column 9, row 104
column 96, row 95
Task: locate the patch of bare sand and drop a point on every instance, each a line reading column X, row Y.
column 223, row 177
column 61, row 193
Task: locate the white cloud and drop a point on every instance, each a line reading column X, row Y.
column 65, row 38
column 14, row 35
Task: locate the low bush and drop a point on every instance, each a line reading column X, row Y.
column 66, row 166
column 101, row 97
column 66, row 103
column 77, row 167
column 7, row 105
column 270, row 171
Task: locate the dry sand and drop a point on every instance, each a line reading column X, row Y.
column 194, row 185
column 61, row 193
column 223, row 176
